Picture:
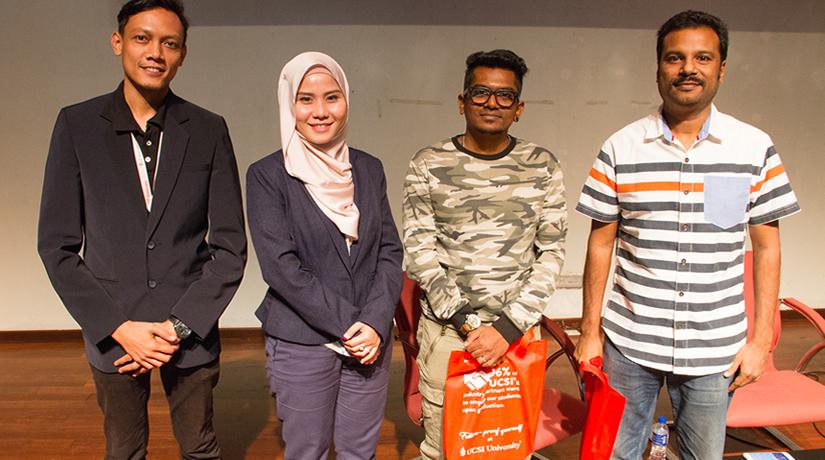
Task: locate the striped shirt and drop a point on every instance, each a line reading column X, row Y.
column 677, row 301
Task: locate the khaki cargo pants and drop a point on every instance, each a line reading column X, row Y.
column 435, row 341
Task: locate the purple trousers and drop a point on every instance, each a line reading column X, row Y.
column 322, row 396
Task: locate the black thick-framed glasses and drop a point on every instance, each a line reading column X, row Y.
column 505, row 98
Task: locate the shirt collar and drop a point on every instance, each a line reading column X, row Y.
column 657, row 126
column 122, row 118
column 460, row 146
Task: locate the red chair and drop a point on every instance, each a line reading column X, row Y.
column 407, row 314
column 779, row 397
column 562, row 415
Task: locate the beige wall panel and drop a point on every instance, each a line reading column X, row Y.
column 584, row 84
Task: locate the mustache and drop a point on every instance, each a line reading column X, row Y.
column 689, row 78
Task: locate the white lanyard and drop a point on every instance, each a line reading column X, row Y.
column 141, row 167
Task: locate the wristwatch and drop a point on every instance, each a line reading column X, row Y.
column 181, row 330
column 471, row 323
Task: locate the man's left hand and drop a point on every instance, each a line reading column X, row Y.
column 486, row 345
column 126, row 365
column 751, row 362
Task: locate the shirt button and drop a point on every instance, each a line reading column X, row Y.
column 687, row 160
column 683, row 261
column 681, row 293
column 686, row 191
column 148, row 159
column 151, row 245
column 685, row 227
column 153, row 284
column 149, row 143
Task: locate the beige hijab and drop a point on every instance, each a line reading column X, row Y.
column 327, row 175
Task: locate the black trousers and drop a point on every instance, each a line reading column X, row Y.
column 123, row 400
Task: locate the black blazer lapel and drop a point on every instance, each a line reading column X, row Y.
column 119, row 153
column 172, row 152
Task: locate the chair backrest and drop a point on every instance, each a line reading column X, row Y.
column 750, row 305
column 407, row 314
column 566, row 349
column 562, row 415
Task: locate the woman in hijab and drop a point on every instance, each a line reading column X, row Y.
column 330, row 254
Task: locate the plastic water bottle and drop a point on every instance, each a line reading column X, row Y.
column 658, row 440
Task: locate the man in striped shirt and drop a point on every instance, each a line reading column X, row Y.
column 679, row 189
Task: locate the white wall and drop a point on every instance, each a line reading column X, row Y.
column 584, row 83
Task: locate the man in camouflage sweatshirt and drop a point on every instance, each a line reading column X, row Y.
column 484, row 226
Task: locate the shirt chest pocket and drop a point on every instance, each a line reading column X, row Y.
column 726, row 200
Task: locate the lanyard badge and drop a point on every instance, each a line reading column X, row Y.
column 140, row 163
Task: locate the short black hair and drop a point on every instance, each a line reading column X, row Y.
column 690, row 20
column 496, row 59
column 133, row 7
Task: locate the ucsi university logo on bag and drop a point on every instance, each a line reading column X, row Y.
column 497, row 377
column 489, row 390
column 492, row 413
column 489, row 441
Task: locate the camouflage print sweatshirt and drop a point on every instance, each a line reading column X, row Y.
column 485, row 233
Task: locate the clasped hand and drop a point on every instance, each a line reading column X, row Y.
column 486, row 345
column 362, row 343
column 147, row 346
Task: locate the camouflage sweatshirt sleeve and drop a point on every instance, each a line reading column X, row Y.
column 526, row 308
column 420, row 251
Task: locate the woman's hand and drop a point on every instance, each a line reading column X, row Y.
column 362, row 342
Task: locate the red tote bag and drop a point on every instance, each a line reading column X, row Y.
column 492, row 413
column 605, row 407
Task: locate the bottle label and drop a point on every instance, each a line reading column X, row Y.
column 659, row 439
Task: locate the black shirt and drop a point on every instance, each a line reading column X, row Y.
column 149, row 139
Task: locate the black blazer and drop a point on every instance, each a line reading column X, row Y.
column 316, row 289
column 138, row 265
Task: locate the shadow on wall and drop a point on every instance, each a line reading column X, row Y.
column 628, row 14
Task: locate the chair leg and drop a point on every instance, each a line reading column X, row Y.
column 781, row 437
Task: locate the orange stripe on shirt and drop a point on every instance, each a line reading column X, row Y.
column 661, row 187
column 602, row 178
column 773, row 172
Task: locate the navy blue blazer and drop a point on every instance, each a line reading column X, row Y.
column 316, row 289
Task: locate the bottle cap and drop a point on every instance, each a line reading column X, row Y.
column 662, row 419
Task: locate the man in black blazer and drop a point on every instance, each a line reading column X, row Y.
column 146, row 185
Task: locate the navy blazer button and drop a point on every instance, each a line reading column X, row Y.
column 153, row 284
column 151, row 245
